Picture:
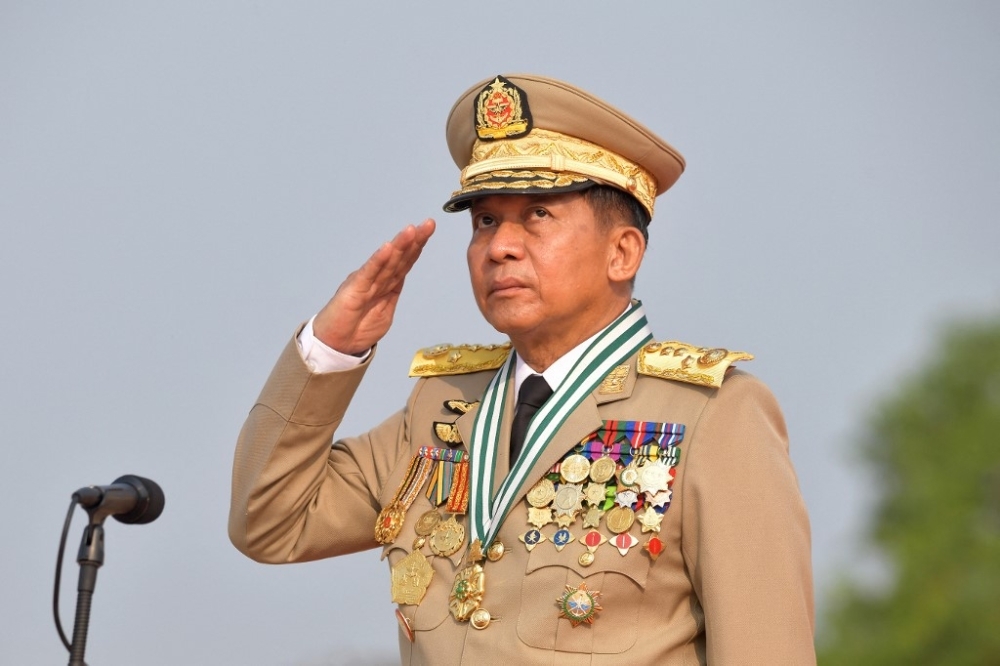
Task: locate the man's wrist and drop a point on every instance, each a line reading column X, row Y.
column 321, row 358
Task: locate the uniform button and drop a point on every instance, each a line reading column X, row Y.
column 480, row 618
column 496, row 551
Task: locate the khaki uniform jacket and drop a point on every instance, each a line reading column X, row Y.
column 733, row 584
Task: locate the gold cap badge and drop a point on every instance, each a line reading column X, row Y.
column 502, row 111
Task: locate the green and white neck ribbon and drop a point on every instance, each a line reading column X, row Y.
column 612, row 347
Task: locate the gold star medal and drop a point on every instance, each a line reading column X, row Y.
column 579, row 605
column 650, row 520
column 568, row 502
column 566, row 519
column 654, row 477
column 661, row 499
column 594, row 494
column 592, row 518
column 539, row 517
column 539, row 498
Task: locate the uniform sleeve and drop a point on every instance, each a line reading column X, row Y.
column 745, row 531
column 321, row 358
column 296, row 497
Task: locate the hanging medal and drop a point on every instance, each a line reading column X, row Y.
column 469, row 586
column 449, row 486
column 619, row 475
column 488, row 510
column 390, row 519
column 592, row 540
column 411, row 577
column 447, row 470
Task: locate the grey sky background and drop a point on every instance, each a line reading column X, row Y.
column 182, row 183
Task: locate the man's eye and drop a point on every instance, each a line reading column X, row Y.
column 484, row 221
column 541, row 212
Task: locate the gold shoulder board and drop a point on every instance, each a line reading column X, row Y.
column 686, row 363
column 450, row 359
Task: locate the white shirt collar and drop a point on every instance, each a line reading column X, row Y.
column 556, row 372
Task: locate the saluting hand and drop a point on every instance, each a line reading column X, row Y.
column 361, row 311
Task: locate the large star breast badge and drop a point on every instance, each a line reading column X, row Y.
column 579, row 605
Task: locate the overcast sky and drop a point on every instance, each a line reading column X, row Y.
column 182, row 183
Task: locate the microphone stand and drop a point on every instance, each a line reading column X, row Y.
column 90, row 557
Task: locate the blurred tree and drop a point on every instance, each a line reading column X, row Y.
column 934, row 447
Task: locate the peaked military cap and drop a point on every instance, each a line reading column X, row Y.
column 525, row 133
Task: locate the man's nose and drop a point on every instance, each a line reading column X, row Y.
column 507, row 241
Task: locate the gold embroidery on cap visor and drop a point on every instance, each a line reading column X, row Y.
column 548, row 161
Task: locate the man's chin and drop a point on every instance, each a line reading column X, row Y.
column 511, row 325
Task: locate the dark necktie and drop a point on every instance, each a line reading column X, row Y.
column 533, row 394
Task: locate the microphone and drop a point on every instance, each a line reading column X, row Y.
column 130, row 499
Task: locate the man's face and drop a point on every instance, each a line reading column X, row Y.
column 539, row 268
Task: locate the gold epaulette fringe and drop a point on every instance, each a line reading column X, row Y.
column 448, row 359
column 686, row 363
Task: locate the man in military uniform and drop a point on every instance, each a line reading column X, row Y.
column 582, row 494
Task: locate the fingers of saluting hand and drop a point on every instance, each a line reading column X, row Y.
column 361, row 311
column 386, row 269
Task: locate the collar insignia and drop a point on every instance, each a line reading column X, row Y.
column 615, row 381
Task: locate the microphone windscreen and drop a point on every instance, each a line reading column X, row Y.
column 150, row 504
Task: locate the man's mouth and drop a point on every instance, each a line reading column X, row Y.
column 506, row 285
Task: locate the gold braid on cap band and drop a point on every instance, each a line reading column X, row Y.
column 571, row 160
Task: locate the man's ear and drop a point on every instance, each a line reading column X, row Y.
column 627, row 247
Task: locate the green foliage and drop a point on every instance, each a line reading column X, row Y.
column 935, row 451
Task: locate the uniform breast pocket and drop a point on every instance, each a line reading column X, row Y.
column 620, row 582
